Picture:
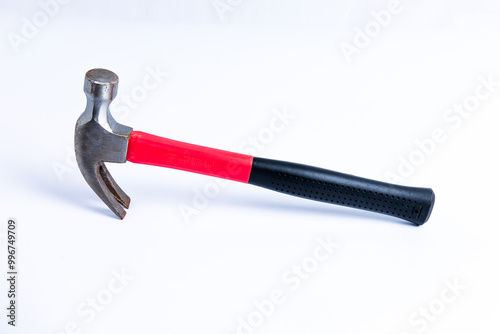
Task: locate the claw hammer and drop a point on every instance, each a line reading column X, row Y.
column 99, row 138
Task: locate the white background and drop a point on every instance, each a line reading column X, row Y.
column 226, row 75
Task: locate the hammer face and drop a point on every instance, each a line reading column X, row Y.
column 99, row 138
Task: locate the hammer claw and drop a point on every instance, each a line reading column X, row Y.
column 113, row 187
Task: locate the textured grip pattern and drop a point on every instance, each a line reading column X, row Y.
column 408, row 203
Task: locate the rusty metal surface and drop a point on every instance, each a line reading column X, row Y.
column 99, row 139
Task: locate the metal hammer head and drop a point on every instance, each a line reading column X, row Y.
column 99, row 138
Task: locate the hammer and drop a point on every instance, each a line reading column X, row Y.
column 99, row 138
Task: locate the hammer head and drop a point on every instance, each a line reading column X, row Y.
column 99, row 139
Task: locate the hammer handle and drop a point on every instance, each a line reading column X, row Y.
column 407, row 203
column 147, row 149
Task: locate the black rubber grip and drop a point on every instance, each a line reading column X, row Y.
column 318, row 184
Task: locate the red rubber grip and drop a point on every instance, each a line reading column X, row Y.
column 152, row 150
